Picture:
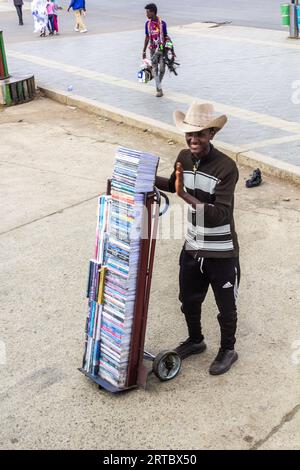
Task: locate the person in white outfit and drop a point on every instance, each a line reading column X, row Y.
column 40, row 16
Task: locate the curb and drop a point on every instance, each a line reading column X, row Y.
column 252, row 159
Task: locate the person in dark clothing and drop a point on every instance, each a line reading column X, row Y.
column 205, row 178
column 18, row 5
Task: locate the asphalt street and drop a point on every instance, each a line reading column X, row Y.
column 119, row 15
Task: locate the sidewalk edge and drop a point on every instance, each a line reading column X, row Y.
column 252, row 159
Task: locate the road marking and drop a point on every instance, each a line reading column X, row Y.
column 240, row 113
column 217, row 33
column 268, row 142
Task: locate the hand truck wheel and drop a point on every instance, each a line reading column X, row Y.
column 166, row 365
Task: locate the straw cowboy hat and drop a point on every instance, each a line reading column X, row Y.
column 199, row 117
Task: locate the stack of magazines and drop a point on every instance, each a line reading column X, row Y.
column 114, row 272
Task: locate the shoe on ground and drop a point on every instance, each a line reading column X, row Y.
column 83, row 31
column 159, row 93
column 255, row 179
column 223, row 361
column 77, row 30
column 188, row 347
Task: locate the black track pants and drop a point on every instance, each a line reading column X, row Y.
column 195, row 276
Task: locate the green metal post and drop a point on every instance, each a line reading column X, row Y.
column 3, row 62
column 13, row 90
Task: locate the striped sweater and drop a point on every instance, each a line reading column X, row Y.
column 211, row 180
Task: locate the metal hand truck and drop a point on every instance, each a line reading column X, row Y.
column 166, row 365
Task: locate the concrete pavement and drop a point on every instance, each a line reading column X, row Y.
column 251, row 75
column 54, row 162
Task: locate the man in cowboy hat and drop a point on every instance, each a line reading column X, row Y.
column 205, row 178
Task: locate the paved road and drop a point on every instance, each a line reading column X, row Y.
column 114, row 17
column 238, row 69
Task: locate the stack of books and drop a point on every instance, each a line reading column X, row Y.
column 114, row 272
column 95, row 288
column 102, row 230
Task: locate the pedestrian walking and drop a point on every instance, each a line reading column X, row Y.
column 155, row 38
column 205, row 179
column 78, row 6
column 18, row 5
column 50, row 7
column 55, row 16
column 40, row 16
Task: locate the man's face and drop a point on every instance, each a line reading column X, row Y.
column 150, row 14
column 198, row 142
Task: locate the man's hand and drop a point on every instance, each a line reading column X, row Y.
column 179, row 180
column 193, row 201
column 68, row 9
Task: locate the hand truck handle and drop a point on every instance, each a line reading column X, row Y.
column 159, row 195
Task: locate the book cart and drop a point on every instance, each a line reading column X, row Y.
column 165, row 365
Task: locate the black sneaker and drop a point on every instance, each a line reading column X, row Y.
column 187, row 348
column 223, row 361
column 255, row 179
